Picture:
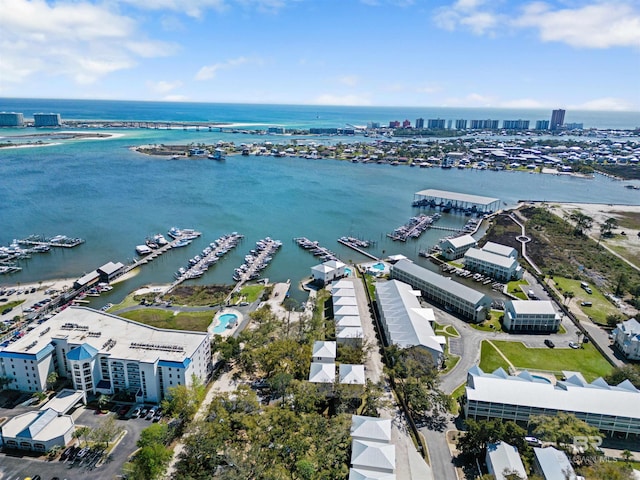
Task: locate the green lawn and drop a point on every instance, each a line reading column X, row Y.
column 490, row 359
column 446, row 330
column 491, row 325
column 192, row 321
column 250, row 293
column 586, row 360
column 12, row 304
column 601, row 307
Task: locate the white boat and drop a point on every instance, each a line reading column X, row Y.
column 183, row 242
column 143, row 250
column 160, row 240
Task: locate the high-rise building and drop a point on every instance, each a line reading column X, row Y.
column 47, row 119
column 436, row 123
column 11, row 119
column 406, row 124
column 484, row 124
column 574, row 126
column 461, row 124
column 542, row 125
column 420, row 123
column 557, row 119
column 394, row 124
column 515, row 124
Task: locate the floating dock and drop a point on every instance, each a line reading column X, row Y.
column 357, row 246
column 414, row 227
column 61, row 241
column 314, row 247
column 256, row 261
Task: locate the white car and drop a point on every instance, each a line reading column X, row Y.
column 574, row 345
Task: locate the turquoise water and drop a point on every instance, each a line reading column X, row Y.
column 224, row 319
column 378, row 266
column 539, row 377
column 114, row 198
column 347, row 271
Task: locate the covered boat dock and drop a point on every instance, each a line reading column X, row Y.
column 455, row 201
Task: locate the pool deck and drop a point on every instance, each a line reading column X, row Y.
column 216, row 321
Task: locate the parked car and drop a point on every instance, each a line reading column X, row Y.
column 136, row 412
column 150, row 413
column 574, row 345
column 123, row 410
column 6, row 310
column 533, row 441
column 586, row 304
column 549, row 343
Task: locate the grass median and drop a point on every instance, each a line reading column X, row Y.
column 191, row 321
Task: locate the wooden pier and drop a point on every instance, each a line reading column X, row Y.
column 314, row 247
column 59, row 241
column 358, row 249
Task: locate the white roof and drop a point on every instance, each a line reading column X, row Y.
column 373, row 455
column 360, row 474
column 343, row 292
column 532, row 307
column 346, row 310
column 342, row 283
column 462, row 197
column 337, row 301
column 406, row 321
column 348, row 321
column 335, row 264
column 64, row 400
column 111, row 267
column 324, row 349
column 572, row 395
column 439, row 281
column 395, row 258
column 351, row 374
column 503, row 456
column 349, row 332
column 133, row 340
column 38, row 425
column 322, row 268
column 554, row 464
column 83, row 280
column 630, row 327
column 322, row 372
column 371, row 428
column 493, row 258
column 499, row 249
column 461, row 241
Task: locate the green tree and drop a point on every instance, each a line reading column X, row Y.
column 155, row 433
column 607, row 471
column 150, row 462
column 182, row 401
column 581, row 221
column 103, row 400
column 83, row 433
column 563, row 429
column 479, row 433
column 106, row 431
column 629, row 372
column 52, row 378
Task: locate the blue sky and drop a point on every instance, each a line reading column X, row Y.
column 578, row 54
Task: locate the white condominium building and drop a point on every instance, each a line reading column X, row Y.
column 103, row 353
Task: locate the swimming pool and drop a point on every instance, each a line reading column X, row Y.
column 225, row 319
column 379, row 266
column 540, row 377
column 347, row 271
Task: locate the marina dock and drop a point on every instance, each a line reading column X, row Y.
column 414, row 227
column 199, row 264
column 256, row 261
column 447, row 201
column 180, row 238
column 357, row 245
column 61, row 241
column 314, row 247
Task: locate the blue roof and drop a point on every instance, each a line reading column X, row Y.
column 169, row 363
column 83, row 352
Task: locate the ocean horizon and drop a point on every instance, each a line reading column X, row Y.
column 298, row 116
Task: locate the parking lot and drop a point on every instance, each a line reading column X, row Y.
column 18, row 465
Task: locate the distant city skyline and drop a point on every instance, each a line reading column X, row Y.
column 561, row 54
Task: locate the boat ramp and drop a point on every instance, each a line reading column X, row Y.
column 414, row 227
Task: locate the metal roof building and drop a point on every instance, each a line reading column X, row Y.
column 553, row 464
column 404, row 321
column 445, row 291
column 503, row 457
column 455, row 200
column 518, row 397
column 530, row 316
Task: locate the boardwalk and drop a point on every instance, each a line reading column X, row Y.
column 257, row 260
column 414, row 227
column 314, row 247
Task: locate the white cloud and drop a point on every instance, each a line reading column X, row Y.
column 210, row 71
column 193, row 8
column 600, row 25
column 332, row 99
column 78, row 40
column 522, row 103
column 349, row 80
column 609, row 104
column 163, row 87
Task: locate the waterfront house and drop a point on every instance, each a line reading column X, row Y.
column 453, row 248
column 327, row 272
column 530, row 316
column 627, row 338
column 500, row 249
column 503, row 459
column 453, row 296
column 110, row 271
column 323, row 352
